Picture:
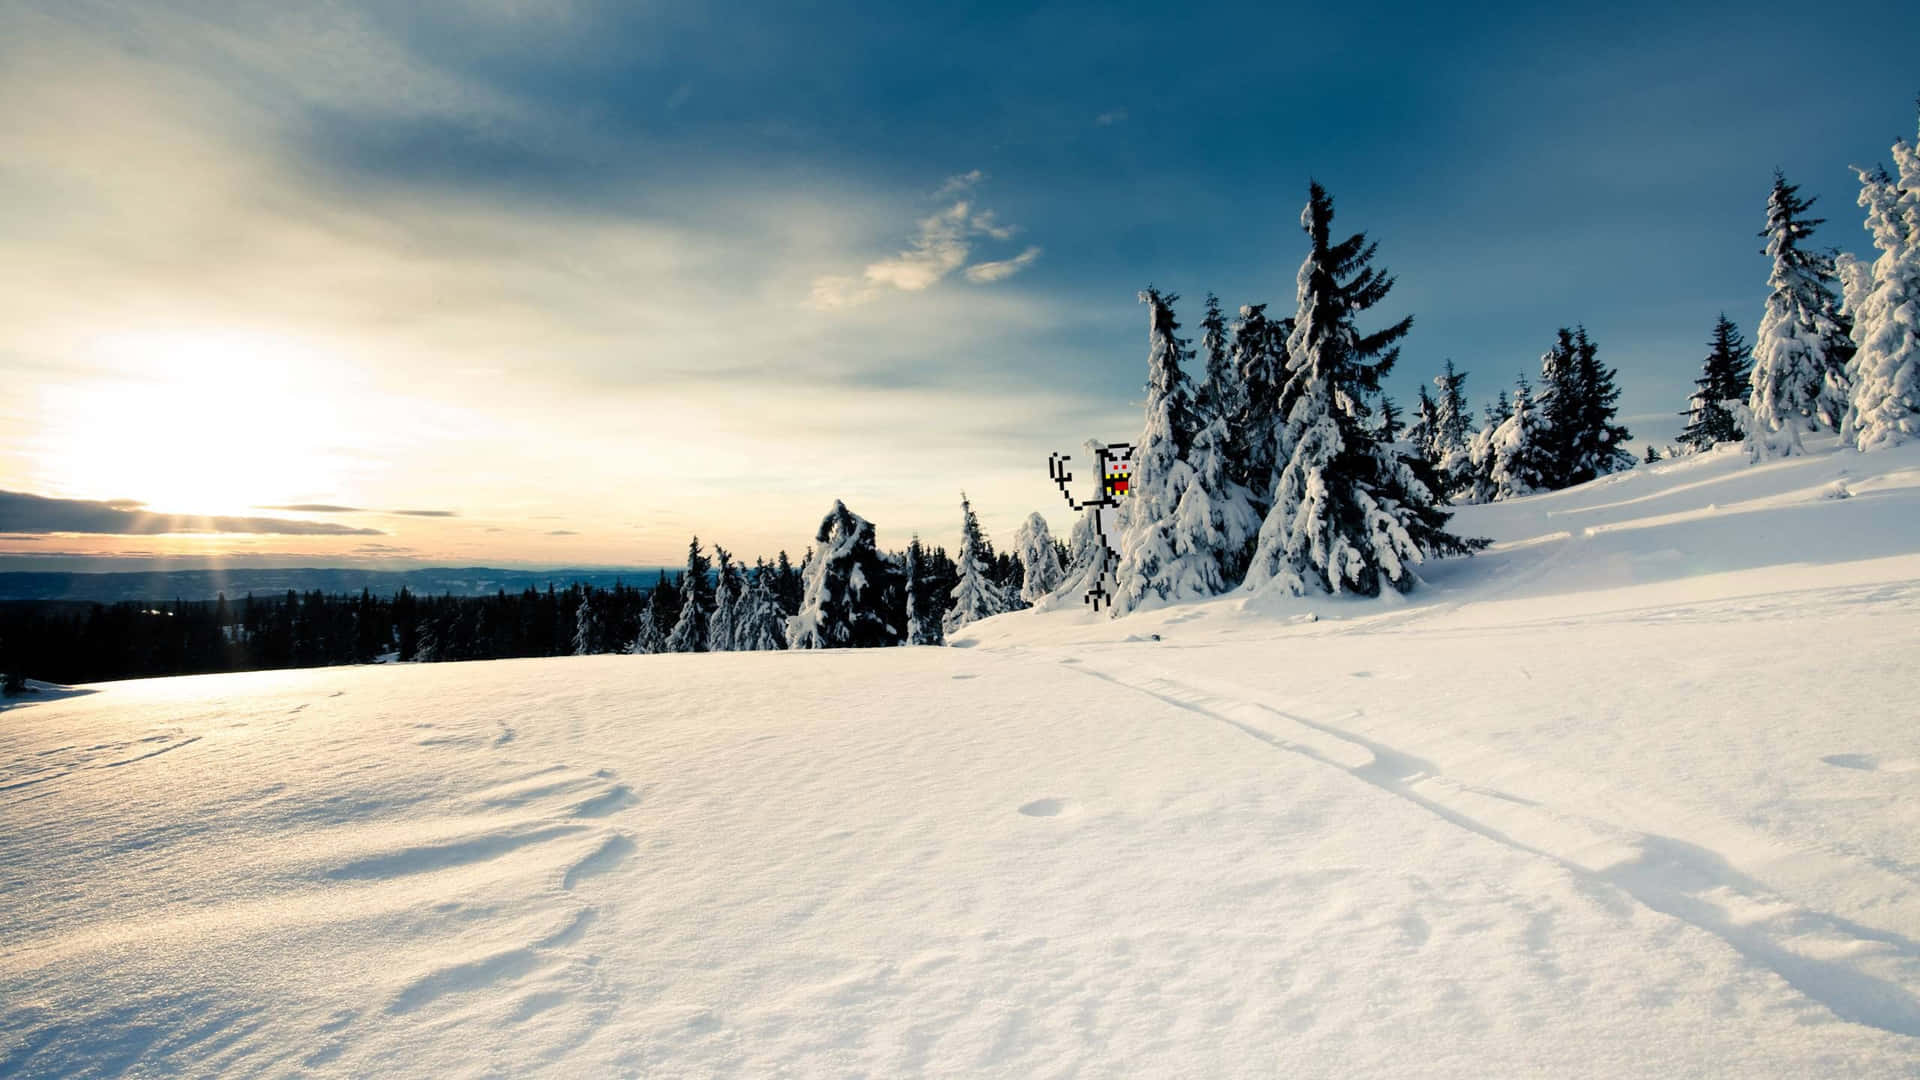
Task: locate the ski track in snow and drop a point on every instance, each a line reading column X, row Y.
column 1688, row 882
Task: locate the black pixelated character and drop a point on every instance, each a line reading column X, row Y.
column 1116, row 477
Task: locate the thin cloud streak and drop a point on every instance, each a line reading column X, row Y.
column 24, row 513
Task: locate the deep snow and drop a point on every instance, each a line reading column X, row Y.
column 1631, row 794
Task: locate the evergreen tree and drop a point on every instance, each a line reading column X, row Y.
column 1039, row 559
column 1086, row 561
column 1452, row 432
column 923, row 614
column 1259, row 356
column 1653, row 455
column 665, row 604
column 1884, row 300
column 1599, row 444
column 650, row 640
column 849, row 590
column 1220, row 394
column 1556, row 408
column 1724, row 377
column 975, row 596
column 1390, row 426
column 696, row 604
column 1476, row 484
column 761, row 625
column 1521, row 459
column 586, row 632
column 1348, row 515
column 1800, row 352
column 726, row 602
column 1424, row 432
column 1167, row 554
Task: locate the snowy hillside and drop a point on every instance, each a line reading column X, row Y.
column 1632, row 794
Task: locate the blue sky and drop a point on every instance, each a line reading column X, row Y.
column 586, row 277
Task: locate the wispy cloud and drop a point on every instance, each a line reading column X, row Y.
column 561, row 532
column 1000, row 270
column 24, row 513
column 1110, row 118
column 941, row 244
column 958, row 185
column 331, row 508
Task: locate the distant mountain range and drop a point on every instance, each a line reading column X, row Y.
column 202, row 584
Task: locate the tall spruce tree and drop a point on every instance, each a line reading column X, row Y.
column 762, row 624
column 1348, row 514
column 1391, row 426
column 850, row 591
column 696, row 603
column 1884, row 300
column 1171, row 547
column 650, row 640
column 1259, row 356
column 1452, row 429
column 1555, row 406
column 1801, row 350
column 1220, row 393
column 721, row 624
column 1423, row 431
column 1724, row 379
column 586, row 626
column 975, row 596
column 1599, row 444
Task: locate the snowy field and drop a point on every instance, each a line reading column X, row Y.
column 1637, row 793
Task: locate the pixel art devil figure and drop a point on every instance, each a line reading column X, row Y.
column 1116, row 476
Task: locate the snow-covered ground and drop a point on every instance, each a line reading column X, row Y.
column 1634, row 794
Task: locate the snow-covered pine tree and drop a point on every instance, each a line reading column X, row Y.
column 975, row 596
column 1477, row 483
column 1220, row 393
column 1885, row 304
column 1423, row 431
column 1349, row 515
column 726, row 601
column 1652, row 455
column 1724, row 378
column 1800, row 352
column 650, row 640
column 1555, row 408
column 1521, row 460
column 923, row 617
column 1086, row 558
column 1039, row 559
column 761, row 625
column 1172, row 544
column 586, row 626
column 1259, row 356
column 849, row 591
column 696, row 604
column 1452, row 429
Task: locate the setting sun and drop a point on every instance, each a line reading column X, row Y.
column 191, row 423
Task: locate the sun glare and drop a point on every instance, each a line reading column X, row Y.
column 196, row 423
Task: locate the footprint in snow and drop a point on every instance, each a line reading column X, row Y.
column 1044, row 807
column 1871, row 763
